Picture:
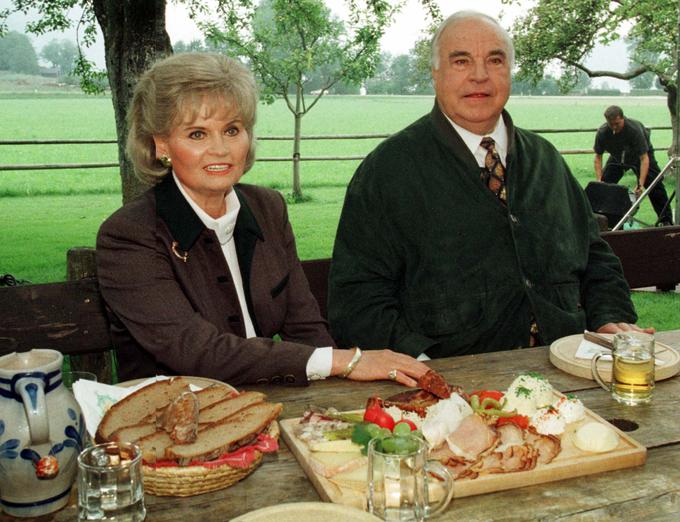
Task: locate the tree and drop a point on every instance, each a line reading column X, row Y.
column 566, row 32
column 17, row 54
column 286, row 42
column 134, row 37
column 62, row 55
column 645, row 80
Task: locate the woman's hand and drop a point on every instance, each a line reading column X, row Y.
column 376, row 365
column 614, row 328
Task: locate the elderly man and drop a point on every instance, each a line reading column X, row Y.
column 464, row 234
column 629, row 146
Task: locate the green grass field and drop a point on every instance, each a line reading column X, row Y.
column 43, row 213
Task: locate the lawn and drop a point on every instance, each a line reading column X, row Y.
column 43, row 213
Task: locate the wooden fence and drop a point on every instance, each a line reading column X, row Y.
column 58, row 166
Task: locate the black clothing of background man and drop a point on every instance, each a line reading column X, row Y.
column 628, row 142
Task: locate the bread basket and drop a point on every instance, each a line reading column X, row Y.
column 185, row 481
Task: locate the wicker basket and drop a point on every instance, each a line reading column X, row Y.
column 185, row 481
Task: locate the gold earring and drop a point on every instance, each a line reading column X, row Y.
column 165, row 161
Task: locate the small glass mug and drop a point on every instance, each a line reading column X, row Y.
column 401, row 483
column 632, row 368
column 68, row 377
column 110, row 483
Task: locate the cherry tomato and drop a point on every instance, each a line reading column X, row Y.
column 377, row 415
column 522, row 421
column 410, row 424
column 385, row 420
column 372, row 413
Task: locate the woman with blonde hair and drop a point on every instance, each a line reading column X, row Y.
column 201, row 271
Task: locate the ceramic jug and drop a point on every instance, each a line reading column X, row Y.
column 41, row 434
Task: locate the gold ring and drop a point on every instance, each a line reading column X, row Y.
column 392, row 375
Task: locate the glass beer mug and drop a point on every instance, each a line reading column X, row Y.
column 632, row 368
column 401, row 481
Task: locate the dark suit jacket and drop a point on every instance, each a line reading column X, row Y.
column 170, row 316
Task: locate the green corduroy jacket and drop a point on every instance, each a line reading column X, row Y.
column 427, row 258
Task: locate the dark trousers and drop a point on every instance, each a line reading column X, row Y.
column 614, row 171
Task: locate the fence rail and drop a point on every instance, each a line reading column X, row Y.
column 64, row 166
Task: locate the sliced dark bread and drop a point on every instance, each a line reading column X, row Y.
column 136, row 406
column 228, row 407
column 226, row 435
column 133, row 433
column 153, row 446
column 206, row 397
column 212, row 394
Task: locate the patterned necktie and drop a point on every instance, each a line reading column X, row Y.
column 495, row 173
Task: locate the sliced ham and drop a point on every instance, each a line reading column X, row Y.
column 472, row 437
column 548, row 446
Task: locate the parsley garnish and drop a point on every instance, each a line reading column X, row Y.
column 571, row 396
column 522, row 391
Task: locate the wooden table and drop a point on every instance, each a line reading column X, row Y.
column 649, row 492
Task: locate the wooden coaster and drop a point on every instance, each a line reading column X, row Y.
column 563, row 351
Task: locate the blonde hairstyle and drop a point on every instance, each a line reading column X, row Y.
column 467, row 15
column 172, row 91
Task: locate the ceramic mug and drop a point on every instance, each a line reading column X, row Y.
column 401, row 481
column 632, row 368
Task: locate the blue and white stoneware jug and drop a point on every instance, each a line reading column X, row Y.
column 41, row 434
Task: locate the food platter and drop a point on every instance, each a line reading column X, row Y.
column 571, row 462
column 563, row 356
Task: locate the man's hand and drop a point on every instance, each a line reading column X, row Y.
column 623, row 327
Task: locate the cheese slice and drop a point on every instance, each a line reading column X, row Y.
column 335, row 446
column 355, row 479
column 330, row 464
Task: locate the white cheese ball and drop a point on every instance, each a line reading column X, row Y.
column 548, row 421
column 524, row 404
column 528, row 393
column 596, row 437
column 571, row 409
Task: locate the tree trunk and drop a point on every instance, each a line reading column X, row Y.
column 134, row 38
column 297, row 188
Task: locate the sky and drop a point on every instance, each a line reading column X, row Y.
column 399, row 38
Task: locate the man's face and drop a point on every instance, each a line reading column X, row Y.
column 473, row 80
column 615, row 124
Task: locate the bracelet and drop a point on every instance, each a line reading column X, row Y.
column 352, row 364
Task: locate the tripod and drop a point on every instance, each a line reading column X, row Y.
column 636, row 204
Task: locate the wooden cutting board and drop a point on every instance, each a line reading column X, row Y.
column 571, row 462
column 563, row 356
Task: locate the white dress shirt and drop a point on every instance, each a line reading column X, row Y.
column 320, row 363
column 473, row 141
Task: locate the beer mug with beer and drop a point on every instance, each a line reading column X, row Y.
column 632, row 368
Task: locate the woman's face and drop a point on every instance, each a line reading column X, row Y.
column 208, row 154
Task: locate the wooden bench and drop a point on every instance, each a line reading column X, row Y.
column 70, row 317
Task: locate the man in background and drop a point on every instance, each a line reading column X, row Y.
column 465, row 234
column 629, row 146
